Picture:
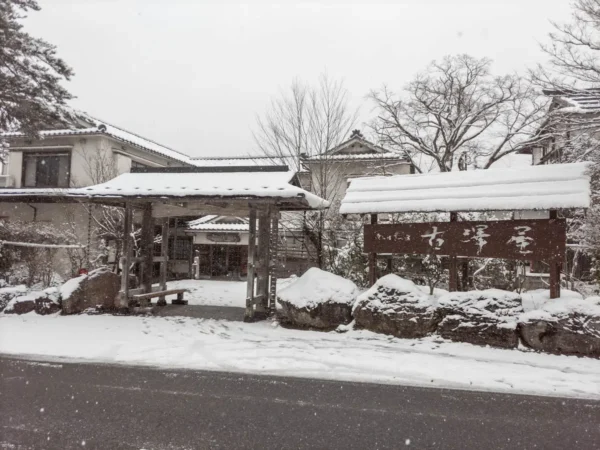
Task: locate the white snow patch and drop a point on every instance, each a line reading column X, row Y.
column 356, row 355
column 317, row 286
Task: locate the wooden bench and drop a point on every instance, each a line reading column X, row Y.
column 145, row 298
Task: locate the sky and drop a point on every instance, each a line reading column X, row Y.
column 194, row 75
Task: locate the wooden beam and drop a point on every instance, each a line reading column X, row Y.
column 262, row 282
column 126, row 259
column 147, row 244
column 249, row 314
column 373, row 258
column 273, row 260
column 164, row 253
column 555, row 266
column 453, row 266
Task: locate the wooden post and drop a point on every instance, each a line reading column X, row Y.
column 554, row 264
column 453, row 269
column 274, row 262
column 147, row 243
column 373, row 258
column 249, row 314
column 465, row 275
column 164, row 253
column 262, row 282
column 126, row 259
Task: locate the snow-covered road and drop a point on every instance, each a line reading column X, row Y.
column 265, row 348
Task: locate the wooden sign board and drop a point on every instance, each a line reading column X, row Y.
column 541, row 240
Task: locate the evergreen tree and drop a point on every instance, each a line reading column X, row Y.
column 31, row 96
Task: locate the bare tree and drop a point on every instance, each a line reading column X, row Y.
column 457, row 109
column 304, row 124
column 574, row 47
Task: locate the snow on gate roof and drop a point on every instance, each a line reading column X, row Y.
column 187, row 183
column 524, row 188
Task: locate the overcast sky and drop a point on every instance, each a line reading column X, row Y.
column 193, row 75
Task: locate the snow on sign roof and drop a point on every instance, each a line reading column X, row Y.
column 527, row 188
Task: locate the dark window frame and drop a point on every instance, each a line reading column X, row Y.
column 46, row 154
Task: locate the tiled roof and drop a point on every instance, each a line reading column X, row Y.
column 102, row 127
column 236, row 161
column 580, row 101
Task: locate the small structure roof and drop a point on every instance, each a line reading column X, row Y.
column 528, row 188
column 186, row 184
column 218, row 223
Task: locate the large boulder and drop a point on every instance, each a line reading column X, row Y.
column 568, row 326
column 42, row 302
column 398, row 307
column 317, row 299
column 486, row 317
column 98, row 289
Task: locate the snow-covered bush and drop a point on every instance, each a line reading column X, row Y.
column 317, row 299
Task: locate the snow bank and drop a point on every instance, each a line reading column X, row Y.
column 539, row 306
column 316, row 287
column 260, row 348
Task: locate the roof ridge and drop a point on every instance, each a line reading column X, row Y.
column 102, row 121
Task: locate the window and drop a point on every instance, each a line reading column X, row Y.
column 180, row 249
column 44, row 170
column 137, row 165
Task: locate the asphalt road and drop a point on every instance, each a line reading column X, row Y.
column 65, row 406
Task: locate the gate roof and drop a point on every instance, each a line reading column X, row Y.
column 545, row 187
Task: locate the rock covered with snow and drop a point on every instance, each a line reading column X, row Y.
column 9, row 292
column 317, row 299
column 487, row 317
column 566, row 325
column 42, row 302
column 100, row 288
column 398, row 307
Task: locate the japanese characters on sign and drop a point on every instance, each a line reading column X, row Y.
column 510, row 239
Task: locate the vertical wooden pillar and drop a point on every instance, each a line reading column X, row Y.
column 262, row 282
column 249, row 314
column 555, row 264
column 147, row 243
column 273, row 259
column 164, row 254
column 465, row 275
column 453, row 269
column 373, row 258
column 126, row 259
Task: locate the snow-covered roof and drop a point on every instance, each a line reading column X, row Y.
column 237, row 161
column 101, row 127
column 524, row 188
column 185, row 184
column 218, row 223
column 582, row 101
column 356, row 148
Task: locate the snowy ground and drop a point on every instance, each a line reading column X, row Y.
column 265, row 348
column 216, row 292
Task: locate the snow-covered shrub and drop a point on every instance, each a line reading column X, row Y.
column 398, row 307
column 317, row 299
